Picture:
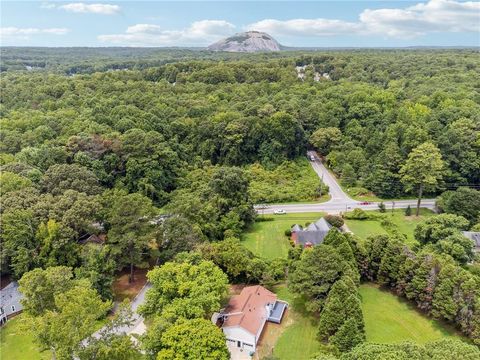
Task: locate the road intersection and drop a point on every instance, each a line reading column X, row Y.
column 339, row 200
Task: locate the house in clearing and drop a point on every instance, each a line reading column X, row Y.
column 10, row 304
column 312, row 235
column 244, row 318
column 475, row 237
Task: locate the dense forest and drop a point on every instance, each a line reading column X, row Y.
column 161, row 155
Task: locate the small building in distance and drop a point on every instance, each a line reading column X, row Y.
column 475, row 237
column 312, row 235
column 244, row 318
column 10, row 304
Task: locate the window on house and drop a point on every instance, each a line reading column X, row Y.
column 13, row 308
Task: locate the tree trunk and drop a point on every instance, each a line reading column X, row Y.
column 420, row 192
column 131, row 277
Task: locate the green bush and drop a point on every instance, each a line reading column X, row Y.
column 408, row 211
column 356, row 214
column 358, row 191
column 288, row 232
column 262, row 219
column 334, row 220
column 381, row 207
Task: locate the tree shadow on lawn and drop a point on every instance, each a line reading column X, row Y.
column 446, row 329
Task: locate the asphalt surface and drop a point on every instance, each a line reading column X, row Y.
column 339, row 201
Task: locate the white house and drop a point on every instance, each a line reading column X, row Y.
column 9, row 302
column 245, row 316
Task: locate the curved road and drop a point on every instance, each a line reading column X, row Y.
column 339, row 200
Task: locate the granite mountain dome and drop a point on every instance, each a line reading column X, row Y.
column 250, row 41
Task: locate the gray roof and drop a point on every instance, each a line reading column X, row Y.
column 323, row 225
column 10, row 294
column 474, row 236
column 315, row 233
column 311, row 227
column 296, row 228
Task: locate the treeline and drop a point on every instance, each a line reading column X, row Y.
column 327, row 278
column 435, row 283
column 45, row 221
column 241, row 111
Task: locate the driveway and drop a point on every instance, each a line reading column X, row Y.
column 137, row 326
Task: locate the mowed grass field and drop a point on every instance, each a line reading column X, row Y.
column 267, row 238
column 296, row 337
column 405, row 224
column 17, row 344
column 391, row 319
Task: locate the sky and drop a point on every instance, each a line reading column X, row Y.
column 199, row 23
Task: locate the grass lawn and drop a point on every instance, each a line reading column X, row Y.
column 365, row 228
column 391, row 319
column 405, row 224
column 17, row 344
column 297, row 337
column 267, row 238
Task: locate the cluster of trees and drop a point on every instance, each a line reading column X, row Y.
column 434, row 282
column 184, row 294
column 200, row 141
column 463, row 202
column 327, row 277
column 437, row 350
column 241, row 265
column 290, row 181
column 62, row 313
column 442, row 234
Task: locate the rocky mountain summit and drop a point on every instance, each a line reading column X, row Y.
column 250, row 41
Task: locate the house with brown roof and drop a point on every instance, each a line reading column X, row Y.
column 245, row 316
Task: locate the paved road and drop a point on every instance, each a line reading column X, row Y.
column 337, row 195
column 339, row 200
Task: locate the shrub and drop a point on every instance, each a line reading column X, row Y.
column 288, row 232
column 381, row 207
column 262, row 219
column 334, row 220
column 358, row 191
column 408, row 211
column 356, row 214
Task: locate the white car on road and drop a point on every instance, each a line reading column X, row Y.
column 280, row 212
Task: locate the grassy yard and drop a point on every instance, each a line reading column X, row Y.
column 295, row 337
column 17, row 344
column 267, row 238
column 391, row 319
column 404, row 224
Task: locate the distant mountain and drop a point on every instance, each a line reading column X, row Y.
column 250, row 41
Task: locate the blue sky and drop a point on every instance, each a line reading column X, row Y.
column 199, row 23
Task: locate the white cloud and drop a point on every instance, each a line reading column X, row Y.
column 104, row 9
column 305, row 27
column 198, row 33
column 433, row 16
column 12, row 33
column 47, row 5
